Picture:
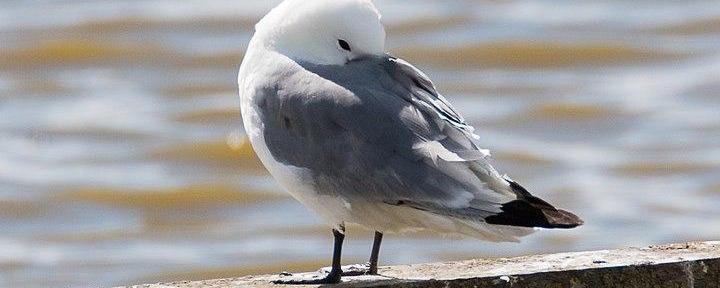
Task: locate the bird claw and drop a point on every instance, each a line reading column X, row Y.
column 356, row 270
column 323, row 278
column 351, row 270
column 324, row 275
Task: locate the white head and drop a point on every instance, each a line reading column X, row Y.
column 327, row 32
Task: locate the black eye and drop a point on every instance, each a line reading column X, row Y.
column 344, row 45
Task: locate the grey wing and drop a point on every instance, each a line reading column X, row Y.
column 448, row 145
column 377, row 129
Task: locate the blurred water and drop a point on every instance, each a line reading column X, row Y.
column 122, row 158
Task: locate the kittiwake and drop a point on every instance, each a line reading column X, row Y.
column 359, row 136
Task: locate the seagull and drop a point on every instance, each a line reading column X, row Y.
column 359, row 136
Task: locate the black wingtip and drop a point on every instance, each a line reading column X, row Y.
column 530, row 211
column 562, row 219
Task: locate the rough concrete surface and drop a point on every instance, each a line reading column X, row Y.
column 694, row 264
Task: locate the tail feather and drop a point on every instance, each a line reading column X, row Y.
column 531, row 211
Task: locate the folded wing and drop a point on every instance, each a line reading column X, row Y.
column 377, row 129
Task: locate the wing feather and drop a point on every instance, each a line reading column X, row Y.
column 377, row 129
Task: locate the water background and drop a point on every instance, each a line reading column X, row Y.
column 123, row 160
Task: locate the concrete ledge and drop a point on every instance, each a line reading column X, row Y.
column 694, row 264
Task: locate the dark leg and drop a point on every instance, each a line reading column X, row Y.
column 335, row 272
column 375, row 253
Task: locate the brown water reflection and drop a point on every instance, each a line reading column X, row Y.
column 531, row 54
